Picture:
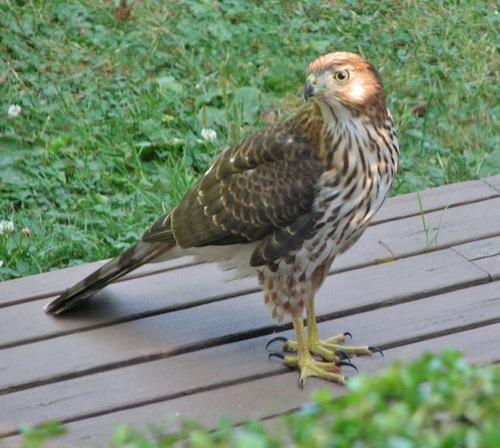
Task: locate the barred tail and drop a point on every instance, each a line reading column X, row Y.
column 129, row 260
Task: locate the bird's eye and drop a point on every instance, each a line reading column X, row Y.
column 341, row 75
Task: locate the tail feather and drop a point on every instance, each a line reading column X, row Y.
column 137, row 255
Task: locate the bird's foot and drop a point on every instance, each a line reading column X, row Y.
column 309, row 367
column 329, row 349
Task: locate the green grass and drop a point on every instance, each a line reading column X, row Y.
column 112, row 111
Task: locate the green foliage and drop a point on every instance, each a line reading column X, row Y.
column 112, row 111
column 37, row 436
column 434, row 402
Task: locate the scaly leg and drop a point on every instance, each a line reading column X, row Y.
column 307, row 365
column 328, row 349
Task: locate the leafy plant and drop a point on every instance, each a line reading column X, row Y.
column 37, row 436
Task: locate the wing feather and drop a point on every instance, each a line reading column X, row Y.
column 262, row 189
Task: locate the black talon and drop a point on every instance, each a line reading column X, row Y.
column 342, row 354
column 301, row 384
column 277, row 338
column 346, row 363
column 276, row 355
column 375, row 349
column 347, row 333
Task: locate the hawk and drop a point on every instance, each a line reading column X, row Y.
column 282, row 204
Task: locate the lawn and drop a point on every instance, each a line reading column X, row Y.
column 109, row 130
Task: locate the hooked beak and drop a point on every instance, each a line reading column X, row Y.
column 308, row 90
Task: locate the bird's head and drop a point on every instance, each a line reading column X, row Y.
column 345, row 82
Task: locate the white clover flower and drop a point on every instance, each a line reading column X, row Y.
column 209, row 135
column 1, row 263
column 14, row 111
column 6, row 226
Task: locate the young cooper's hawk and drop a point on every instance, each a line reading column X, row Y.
column 283, row 203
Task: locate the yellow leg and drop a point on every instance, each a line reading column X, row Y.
column 327, row 348
column 307, row 365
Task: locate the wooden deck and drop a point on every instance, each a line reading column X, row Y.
column 174, row 339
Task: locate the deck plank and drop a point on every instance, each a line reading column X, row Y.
column 179, row 375
column 433, row 199
column 493, row 182
column 50, row 283
column 485, row 254
column 479, row 249
column 446, row 227
column 127, row 300
column 277, row 394
column 54, row 282
column 170, row 332
column 491, row 265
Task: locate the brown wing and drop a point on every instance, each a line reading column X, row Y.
column 262, row 189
